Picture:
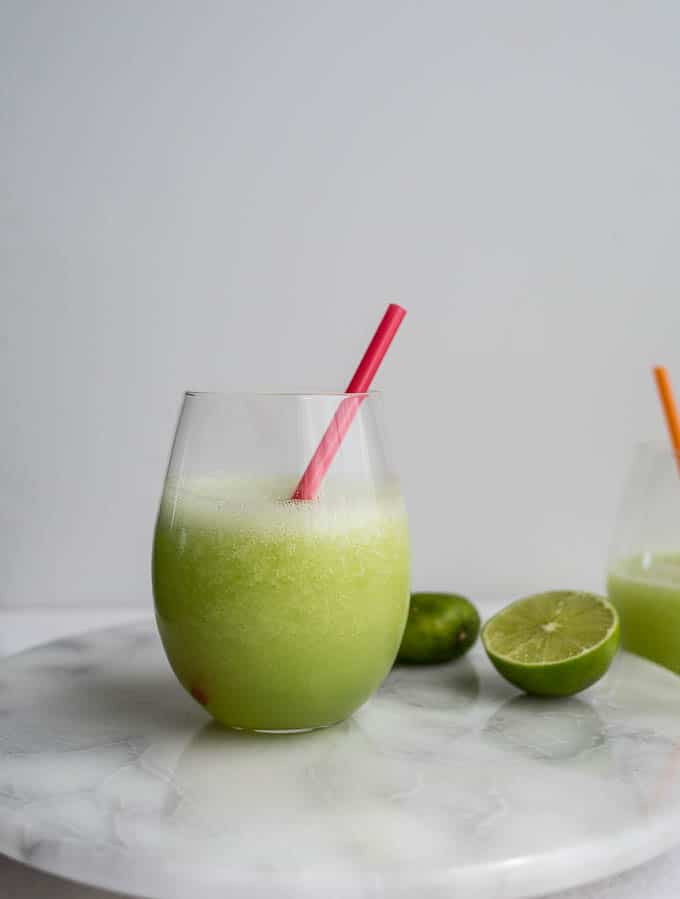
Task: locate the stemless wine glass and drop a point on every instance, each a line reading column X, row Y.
column 279, row 614
column 644, row 565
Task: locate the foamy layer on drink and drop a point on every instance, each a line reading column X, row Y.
column 265, row 506
column 661, row 568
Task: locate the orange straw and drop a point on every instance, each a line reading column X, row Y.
column 670, row 411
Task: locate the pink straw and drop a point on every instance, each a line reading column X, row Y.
column 330, row 442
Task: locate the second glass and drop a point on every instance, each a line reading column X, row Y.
column 644, row 567
column 279, row 615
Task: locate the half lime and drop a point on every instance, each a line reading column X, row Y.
column 553, row 644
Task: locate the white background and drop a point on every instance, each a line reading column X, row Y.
column 225, row 195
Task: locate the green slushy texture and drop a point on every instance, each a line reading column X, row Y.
column 278, row 615
column 646, row 591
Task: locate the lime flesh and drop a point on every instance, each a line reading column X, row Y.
column 553, row 644
column 440, row 627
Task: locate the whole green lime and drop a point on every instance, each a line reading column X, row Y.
column 440, row 627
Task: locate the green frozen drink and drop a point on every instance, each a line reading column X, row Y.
column 643, row 576
column 280, row 615
column 280, row 559
column 646, row 591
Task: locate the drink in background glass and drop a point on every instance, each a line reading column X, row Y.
column 279, row 615
column 644, row 567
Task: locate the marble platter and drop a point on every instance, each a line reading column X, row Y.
column 446, row 784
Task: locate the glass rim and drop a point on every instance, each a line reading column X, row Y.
column 229, row 394
column 658, row 446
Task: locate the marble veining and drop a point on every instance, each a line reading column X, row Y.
column 447, row 783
